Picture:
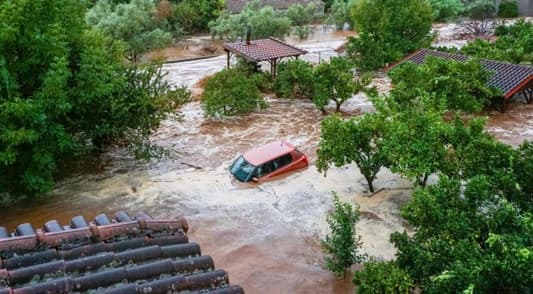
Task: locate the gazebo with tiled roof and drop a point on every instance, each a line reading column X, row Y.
column 271, row 50
column 509, row 78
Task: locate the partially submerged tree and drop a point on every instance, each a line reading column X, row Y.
column 342, row 244
column 301, row 17
column 135, row 23
column 355, row 140
column 446, row 9
column 388, row 30
column 340, row 13
column 294, row 79
column 264, row 21
column 231, row 92
column 480, row 15
column 334, row 81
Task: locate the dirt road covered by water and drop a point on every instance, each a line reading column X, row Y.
column 268, row 236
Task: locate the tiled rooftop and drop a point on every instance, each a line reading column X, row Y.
column 264, row 49
column 509, row 78
column 124, row 255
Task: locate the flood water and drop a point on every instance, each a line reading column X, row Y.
column 268, row 236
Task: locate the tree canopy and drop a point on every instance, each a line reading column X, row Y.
column 388, row 30
column 135, row 23
column 64, row 89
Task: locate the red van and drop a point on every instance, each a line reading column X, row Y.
column 268, row 161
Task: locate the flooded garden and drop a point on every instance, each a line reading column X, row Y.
column 267, row 236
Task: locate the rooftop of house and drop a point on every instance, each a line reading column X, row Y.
column 124, row 255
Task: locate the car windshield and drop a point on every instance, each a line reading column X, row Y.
column 241, row 169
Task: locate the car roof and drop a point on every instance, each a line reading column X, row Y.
column 267, row 152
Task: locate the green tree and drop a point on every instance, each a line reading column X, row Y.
column 340, row 13
column 508, row 8
column 135, row 23
column 63, row 90
column 301, row 16
column 388, row 30
column 265, row 22
column 446, row 9
column 470, row 239
column 462, row 85
column 341, row 245
column 355, row 140
column 513, row 44
column 480, row 14
column 379, row 277
column 231, row 92
column 195, row 15
column 335, row 81
column 294, row 78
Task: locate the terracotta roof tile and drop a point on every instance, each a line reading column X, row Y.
column 123, row 255
column 264, row 49
column 507, row 77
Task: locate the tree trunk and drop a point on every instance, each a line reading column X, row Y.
column 338, row 109
column 370, row 181
column 423, row 180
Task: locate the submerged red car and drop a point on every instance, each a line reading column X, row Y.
column 268, row 161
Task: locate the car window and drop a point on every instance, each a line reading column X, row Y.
column 264, row 169
column 282, row 161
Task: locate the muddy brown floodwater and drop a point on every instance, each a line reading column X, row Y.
column 268, row 236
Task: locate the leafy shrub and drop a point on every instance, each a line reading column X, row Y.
column 341, row 245
column 508, row 9
column 388, row 30
column 446, row 9
column 379, row 277
column 265, row 22
column 294, row 78
column 231, row 92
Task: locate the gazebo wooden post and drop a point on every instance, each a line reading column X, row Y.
column 228, row 55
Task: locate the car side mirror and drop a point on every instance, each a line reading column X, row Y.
column 255, row 179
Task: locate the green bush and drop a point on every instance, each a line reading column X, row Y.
column 379, row 277
column 341, row 245
column 231, row 92
column 294, row 78
column 508, row 8
column 388, row 30
column 446, row 9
